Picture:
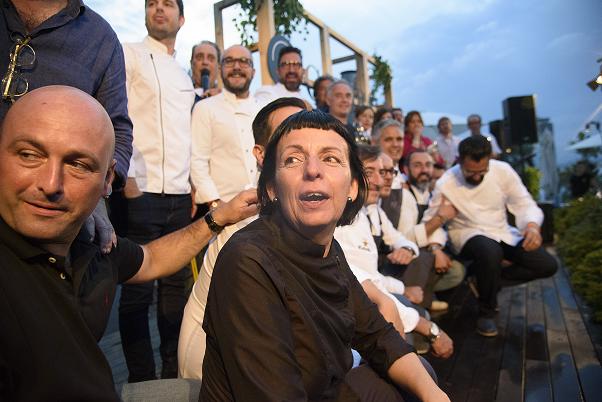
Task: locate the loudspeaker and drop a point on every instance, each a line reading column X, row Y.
column 519, row 115
column 498, row 130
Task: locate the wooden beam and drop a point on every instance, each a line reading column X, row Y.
column 362, row 79
column 343, row 59
column 325, row 48
column 219, row 25
column 265, row 30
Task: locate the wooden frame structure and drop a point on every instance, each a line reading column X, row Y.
column 266, row 30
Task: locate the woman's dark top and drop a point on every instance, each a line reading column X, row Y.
column 281, row 320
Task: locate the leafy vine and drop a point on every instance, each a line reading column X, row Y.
column 382, row 76
column 288, row 18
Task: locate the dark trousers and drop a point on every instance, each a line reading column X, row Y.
column 486, row 256
column 370, row 387
column 149, row 217
column 419, row 272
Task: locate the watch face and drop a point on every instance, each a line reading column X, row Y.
column 434, row 329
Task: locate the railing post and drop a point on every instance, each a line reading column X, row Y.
column 325, row 47
column 362, row 78
column 265, row 30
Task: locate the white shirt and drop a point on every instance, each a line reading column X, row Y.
column 482, row 208
column 268, row 93
column 222, row 146
column 398, row 179
column 362, row 256
column 495, row 148
column 448, row 148
column 160, row 98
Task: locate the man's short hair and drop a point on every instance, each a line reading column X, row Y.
column 475, row 147
column 474, row 116
column 442, row 119
column 180, row 4
column 406, row 159
column 361, row 109
column 207, row 42
column 368, row 153
column 396, row 109
column 380, row 112
column 261, row 124
column 338, row 82
column 320, row 80
column 287, row 50
column 381, row 125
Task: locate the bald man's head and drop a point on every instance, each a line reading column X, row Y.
column 56, row 161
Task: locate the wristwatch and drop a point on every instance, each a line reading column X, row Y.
column 214, row 227
column 434, row 247
column 434, row 333
column 410, row 249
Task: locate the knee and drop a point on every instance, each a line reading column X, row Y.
column 548, row 266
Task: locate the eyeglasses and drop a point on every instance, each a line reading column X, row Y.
column 21, row 56
column 470, row 173
column 293, row 65
column 391, row 172
column 242, row 61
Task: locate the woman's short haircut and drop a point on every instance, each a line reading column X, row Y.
column 380, row 112
column 381, row 125
column 321, row 121
column 261, row 124
column 475, row 147
column 406, row 120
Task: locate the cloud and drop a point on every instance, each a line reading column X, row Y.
column 567, row 41
column 491, row 26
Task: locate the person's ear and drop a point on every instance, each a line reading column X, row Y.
column 259, row 153
column 271, row 191
column 110, row 176
column 353, row 190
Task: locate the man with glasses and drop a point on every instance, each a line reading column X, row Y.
column 66, row 43
column 472, row 198
column 159, row 202
column 222, row 138
column 290, row 74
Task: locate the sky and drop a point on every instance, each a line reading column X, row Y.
column 448, row 56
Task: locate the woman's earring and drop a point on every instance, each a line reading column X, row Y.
column 349, row 200
column 275, row 199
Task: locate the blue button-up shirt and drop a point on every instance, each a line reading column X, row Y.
column 78, row 48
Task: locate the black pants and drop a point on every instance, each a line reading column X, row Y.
column 487, row 254
column 419, row 272
column 370, row 387
column 149, row 217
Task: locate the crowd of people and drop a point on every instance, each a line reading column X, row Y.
column 325, row 228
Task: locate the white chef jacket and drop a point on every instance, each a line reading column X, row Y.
column 448, row 148
column 482, row 208
column 222, row 146
column 268, row 93
column 160, row 98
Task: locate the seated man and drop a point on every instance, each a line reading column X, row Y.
column 472, row 198
column 361, row 253
column 406, row 214
column 56, row 287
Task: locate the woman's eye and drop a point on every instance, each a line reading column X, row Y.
column 333, row 160
column 291, row 160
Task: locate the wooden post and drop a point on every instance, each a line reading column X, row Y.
column 325, row 47
column 362, row 78
column 389, row 97
column 219, row 25
column 265, row 30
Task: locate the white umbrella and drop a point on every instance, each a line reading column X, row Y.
column 594, row 141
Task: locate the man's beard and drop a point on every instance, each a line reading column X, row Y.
column 292, row 86
column 237, row 90
column 475, row 182
column 421, row 185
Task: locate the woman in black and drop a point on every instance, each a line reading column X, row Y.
column 284, row 309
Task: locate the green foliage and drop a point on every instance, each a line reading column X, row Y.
column 382, row 76
column 579, row 230
column 532, row 179
column 288, row 18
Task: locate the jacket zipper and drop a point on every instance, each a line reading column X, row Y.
column 161, row 120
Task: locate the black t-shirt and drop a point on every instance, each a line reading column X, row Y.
column 53, row 311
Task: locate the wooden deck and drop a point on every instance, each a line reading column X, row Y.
column 544, row 350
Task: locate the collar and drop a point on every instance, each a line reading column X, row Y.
column 157, row 46
column 286, row 89
column 302, row 245
column 22, row 247
column 13, row 21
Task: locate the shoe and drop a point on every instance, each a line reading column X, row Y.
column 486, row 327
column 438, row 305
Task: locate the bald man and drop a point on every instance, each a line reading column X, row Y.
column 56, row 287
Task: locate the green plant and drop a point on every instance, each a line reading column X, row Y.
column 288, row 18
column 579, row 230
column 532, row 181
column 382, row 76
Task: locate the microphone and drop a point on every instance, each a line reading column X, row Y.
column 205, row 79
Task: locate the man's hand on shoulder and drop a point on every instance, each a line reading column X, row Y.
column 244, row 205
column 98, row 224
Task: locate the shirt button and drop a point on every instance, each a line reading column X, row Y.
column 51, row 260
column 63, row 276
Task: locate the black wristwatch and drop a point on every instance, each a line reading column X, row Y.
column 214, row 227
column 434, row 333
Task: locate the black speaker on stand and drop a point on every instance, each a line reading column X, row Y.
column 521, row 123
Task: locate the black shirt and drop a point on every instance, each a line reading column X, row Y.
column 281, row 320
column 53, row 310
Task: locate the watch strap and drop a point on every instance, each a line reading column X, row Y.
column 214, row 227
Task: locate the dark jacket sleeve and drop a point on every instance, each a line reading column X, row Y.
column 113, row 96
column 249, row 325
column 375, row 339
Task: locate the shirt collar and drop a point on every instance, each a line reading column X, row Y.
column 73, row 9
column 157, row 46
